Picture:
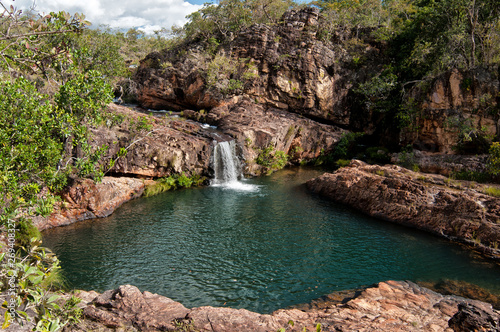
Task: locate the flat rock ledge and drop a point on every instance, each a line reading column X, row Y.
column 388, row 306
column 455, row 210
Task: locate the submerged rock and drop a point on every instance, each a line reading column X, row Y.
column 388, row 306
column 427, row 202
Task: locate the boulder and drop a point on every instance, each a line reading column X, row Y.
column 473, row 318
column 85, row 199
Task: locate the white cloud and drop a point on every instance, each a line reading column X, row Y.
column 148, row 15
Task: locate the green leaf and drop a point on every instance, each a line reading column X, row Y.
column 7, row 320
column 53, row 298
column 22, row 313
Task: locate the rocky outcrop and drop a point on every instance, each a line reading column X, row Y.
column 156, row 146
column 472, row 318
column 455, row 103
column 428, row 202
column 388, row 306
column 256, row 127
column 85, row 199
column 284, row 66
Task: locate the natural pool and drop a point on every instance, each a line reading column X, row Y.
column 263, row 246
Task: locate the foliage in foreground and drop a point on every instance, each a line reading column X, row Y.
column 39, row 137
column 31, row 281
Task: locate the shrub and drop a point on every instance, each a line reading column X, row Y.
column 492, row 191
column 173, row 182
column 271, row 159
column 494, row 159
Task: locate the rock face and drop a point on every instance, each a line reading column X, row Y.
column 256, row 127
column 442, row 163
column 472, row 318
column 388, row 306
column 86, row 199
column 427, row 202
column 284, row 66
column 157, row 146
column 454, row 101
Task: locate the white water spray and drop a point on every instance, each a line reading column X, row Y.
column 227, row 168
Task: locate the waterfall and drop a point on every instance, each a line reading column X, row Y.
column 225, row 163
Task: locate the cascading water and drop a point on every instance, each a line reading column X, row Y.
column 227, row 168
column 226, row 164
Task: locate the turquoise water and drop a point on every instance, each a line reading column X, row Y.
column 265, row 246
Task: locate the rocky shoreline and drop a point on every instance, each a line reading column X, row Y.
column 388, row 306
column 457, row 210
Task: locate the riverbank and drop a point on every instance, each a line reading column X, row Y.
column 458, row 210
column 388, row 306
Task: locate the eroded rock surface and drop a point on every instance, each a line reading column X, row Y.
column 156, row 146
column 472, row 318
column 85, row 199
column 284, row 66
column 456, row 99
column 256, row 127
column 428, row 202
column 444, row 164
column 388, row 306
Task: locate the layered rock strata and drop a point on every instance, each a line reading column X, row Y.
column 454, row 104
column 388, row 306
column 256, row 127
column 427, row 202
column 284, row 66
column 444, row 164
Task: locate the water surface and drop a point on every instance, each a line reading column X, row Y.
column 262, row 246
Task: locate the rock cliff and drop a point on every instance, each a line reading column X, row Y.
column 428, row 202
column 284, row 66
column 455, row 106
column 388, row 306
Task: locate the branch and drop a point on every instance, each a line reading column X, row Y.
column 43, row 33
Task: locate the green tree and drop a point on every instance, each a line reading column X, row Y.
column 231, row 16
column 448, row 34
column 24, row 39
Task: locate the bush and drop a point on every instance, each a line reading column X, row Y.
column 345, row 149
column 173, row 182
column 271, row 159
column 494, row 158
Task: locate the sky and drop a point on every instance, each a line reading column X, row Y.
column 147, row 15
